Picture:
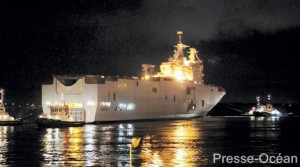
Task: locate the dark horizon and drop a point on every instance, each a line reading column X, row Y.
column 247, row 47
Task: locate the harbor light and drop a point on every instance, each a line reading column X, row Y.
column 134, row 143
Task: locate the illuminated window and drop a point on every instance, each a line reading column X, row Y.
column 75, row 105
column 125, row 107
column 104, row 105
column 191, row 105
column 77, row 115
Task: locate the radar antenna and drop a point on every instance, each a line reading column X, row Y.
column 179, row 47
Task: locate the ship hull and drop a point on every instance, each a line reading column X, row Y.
column 51, row 123
column 145, row 117
column 127, row 99
column 11, row 123
column 261, row 114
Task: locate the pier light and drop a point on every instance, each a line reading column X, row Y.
column 134, row 143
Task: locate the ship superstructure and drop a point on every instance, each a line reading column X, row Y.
column 5, row 118
column 176, row 91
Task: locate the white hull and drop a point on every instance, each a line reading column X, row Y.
column 127, row 99
column 177, row 91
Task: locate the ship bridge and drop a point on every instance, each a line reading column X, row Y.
column 179, row 66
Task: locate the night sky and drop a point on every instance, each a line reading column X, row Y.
column 249, row 47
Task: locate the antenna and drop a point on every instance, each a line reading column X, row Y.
column 1, row 97
column 258, row 99
column 179, row 33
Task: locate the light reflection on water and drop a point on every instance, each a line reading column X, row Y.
column 177, row 146
column 4, row 142
column 164, row 143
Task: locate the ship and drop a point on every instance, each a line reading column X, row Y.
column 176, row 91
column 5, row 118
column 59, row 117
column 264, row 109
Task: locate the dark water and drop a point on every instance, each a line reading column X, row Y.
column 164, row 143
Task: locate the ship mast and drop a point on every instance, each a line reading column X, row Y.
column 2, row 97
column 179, row 33
column 179, row 47
column 2, row 108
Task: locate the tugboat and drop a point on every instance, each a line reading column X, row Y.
column 59, row 117
column 264, row 110
column 5, row 119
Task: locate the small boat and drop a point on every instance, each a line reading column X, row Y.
column 59, row 116
column 5, row 118
column 264, row 110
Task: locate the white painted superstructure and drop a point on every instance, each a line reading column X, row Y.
column 5, row 118
column 3, row 114
column 177, row 91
